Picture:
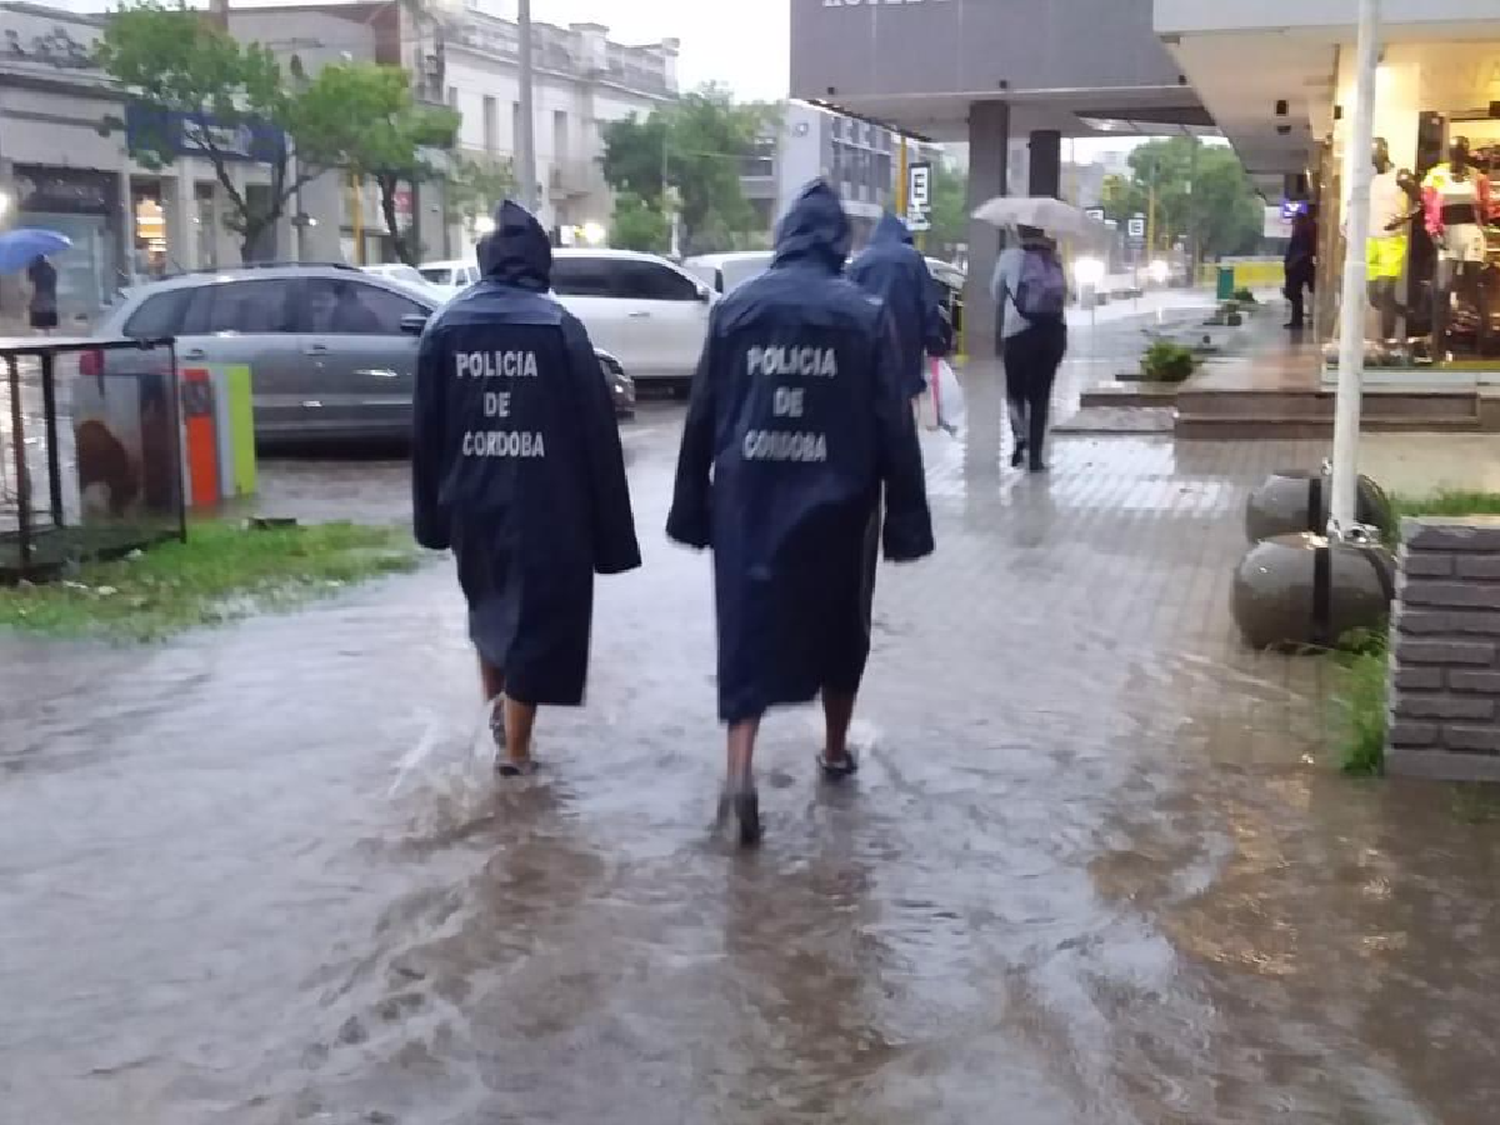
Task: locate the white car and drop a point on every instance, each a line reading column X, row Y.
column 639, row 307
column 650, row 314
column 724, row 271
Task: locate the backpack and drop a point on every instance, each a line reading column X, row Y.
column 1042, row 294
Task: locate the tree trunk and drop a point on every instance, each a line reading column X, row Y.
column 400, row 242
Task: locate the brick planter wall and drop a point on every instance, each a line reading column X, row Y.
column 1445, row 651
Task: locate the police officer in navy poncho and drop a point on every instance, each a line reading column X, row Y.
column 516, row 465
column 798, row 421
column 892, row 268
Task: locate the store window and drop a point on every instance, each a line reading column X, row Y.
column 150, row 222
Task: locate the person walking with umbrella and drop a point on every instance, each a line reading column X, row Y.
column 1030, row 290
column 43, row 305
column 799, row 423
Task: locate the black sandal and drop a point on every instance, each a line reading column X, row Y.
column 505, row 767
column 837, row 769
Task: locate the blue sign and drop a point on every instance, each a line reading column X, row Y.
column 173, row 134
column 1291, row 208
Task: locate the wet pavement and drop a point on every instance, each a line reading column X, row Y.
column 1093, row 873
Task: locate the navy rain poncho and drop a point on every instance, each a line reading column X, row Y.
column 798, row 418
column 892, row 269
column 517, row 465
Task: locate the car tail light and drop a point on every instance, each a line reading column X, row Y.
column 91, row 363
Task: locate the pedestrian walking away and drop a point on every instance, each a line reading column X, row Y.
column 799, row 418
column 1301, row 264
column 892, row 269
column 43, row 305
column 517, row 466
column 1030, row 292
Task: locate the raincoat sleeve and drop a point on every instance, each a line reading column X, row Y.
column 908, row 522
column 690, row 520
column 431, row 521
column 613, row 524
column 937, row 339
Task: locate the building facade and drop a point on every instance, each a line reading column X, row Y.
column 1279, row 79
column 859, row 157
column 583, row 82
column 985, row 72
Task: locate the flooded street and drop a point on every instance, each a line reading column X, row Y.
column 1098, row 868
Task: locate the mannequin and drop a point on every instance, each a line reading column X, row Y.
column 1395, row 200
column 1458, row 202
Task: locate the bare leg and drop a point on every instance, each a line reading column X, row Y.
column 739, row 784
column 492, row 680
column 838, row 713
column 520, row 718
column 740, row 771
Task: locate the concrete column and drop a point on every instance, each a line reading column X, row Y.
column 127, row 229
column 989, row 157
column 1045, row 166
column 179, row 205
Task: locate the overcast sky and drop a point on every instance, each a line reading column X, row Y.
column 739, row 42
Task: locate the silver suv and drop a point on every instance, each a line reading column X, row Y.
column 331, row 349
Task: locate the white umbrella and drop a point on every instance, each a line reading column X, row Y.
column 1041, row 211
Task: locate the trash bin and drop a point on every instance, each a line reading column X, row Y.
column 1226, row 283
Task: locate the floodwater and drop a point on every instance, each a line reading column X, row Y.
column 1092, row 873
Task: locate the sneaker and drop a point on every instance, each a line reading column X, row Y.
column 506, row 767
column 836, row 769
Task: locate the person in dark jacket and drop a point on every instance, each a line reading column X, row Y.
column 892, row 269
column 798, row 419
column 1301, row 263
column 517, row 465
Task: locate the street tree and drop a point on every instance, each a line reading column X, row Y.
column 190, row 79
column 697, row 146
column 364, row 115
column 950, row 210
column 476, row 186
column 1202, row 197
column 636, row 225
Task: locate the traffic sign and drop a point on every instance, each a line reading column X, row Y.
column 1135, row 229
column 919, row 196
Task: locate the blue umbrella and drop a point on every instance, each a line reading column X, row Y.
column 19, row 247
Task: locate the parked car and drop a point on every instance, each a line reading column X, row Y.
column 650, row 313
column 400, row 271
column 331, row 349
column 724, row 271
column 451, row 276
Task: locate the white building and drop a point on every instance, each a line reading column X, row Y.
column 583, row 81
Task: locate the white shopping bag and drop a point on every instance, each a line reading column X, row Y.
column 947, row 397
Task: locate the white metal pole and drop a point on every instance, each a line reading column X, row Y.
column 526, row 142
column 1352, row 308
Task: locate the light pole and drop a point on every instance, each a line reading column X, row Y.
column 1358, row 171
column 526, row 142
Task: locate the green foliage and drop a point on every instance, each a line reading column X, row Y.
column 1216, row 200
column 363, row 118
column 950, row 210
column 636, row 225
column 688, row 156
column 1166, row 362
column 1361, row 705
column 174, row 60
column 477, row 186
column 355, row 116
column 224, row 571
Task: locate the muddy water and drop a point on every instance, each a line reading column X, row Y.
column 1088, row 875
